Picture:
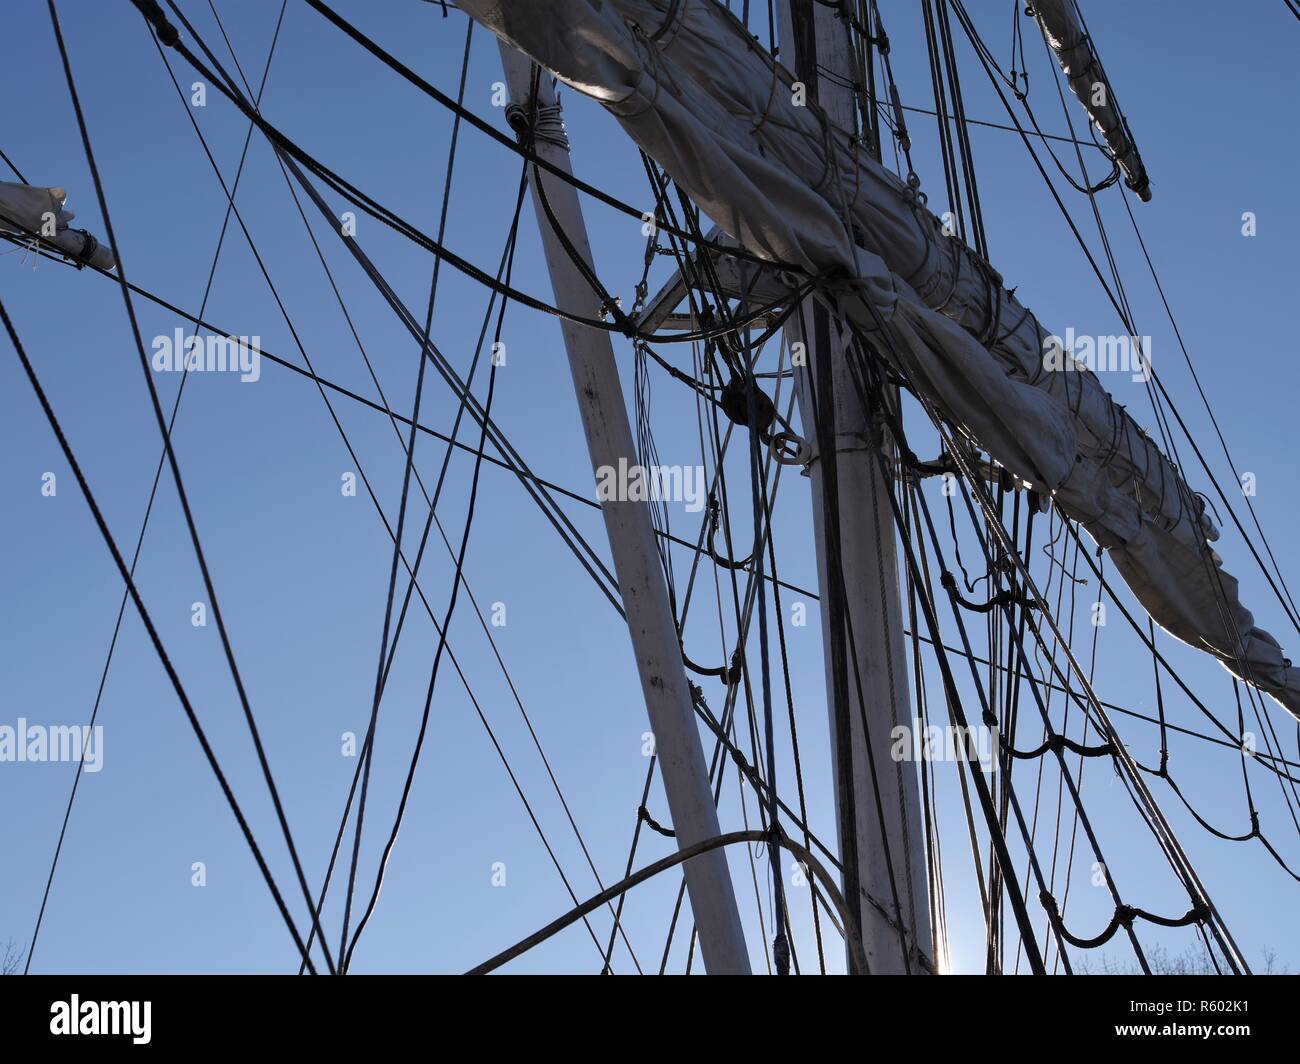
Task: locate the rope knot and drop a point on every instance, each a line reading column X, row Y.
column 167, row 33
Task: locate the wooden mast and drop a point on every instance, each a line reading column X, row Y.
column 858, row 578
column 631, row 537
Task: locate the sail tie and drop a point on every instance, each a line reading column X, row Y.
column 89, row 246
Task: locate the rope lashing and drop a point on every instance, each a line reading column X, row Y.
column 1005, row 597
column 719, row 559
column 1124, row 916
column 88, row 248
column 167, row 33
column 544, row 123
column 728, row 674
column 1058, row 743
column 643, row 815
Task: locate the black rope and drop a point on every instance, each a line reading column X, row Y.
column 643, row 814
column 168, row 34
column 1124, row 916
column 154, row 638
column 225, row 85
column 852, row 933
column 176, row 477
column 1120, row 309
column 408, row 465
column 1056, row 742
column 524, row 475
column 9, row 163
column 1005, row 597
column 148, row 511
column 1161, row 830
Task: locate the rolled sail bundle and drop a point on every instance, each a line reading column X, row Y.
column 27, row 209
column 700, row 96
column 1075, row 52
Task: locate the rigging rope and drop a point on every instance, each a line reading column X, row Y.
column 154, row 638
column 177, row 479
column 707, row 845
column 148, row 510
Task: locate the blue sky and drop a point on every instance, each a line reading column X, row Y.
column 301, row 571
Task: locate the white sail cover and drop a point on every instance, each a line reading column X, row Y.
column 27, row 209
column 699, row 95
column 1075, row 52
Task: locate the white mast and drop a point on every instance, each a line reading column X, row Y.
column 868, row 575
column 631, row 537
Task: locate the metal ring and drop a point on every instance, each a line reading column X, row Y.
column 800, row 456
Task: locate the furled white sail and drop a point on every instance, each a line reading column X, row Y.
column 1078, row 58
column 27, row 209
column 698, row 94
